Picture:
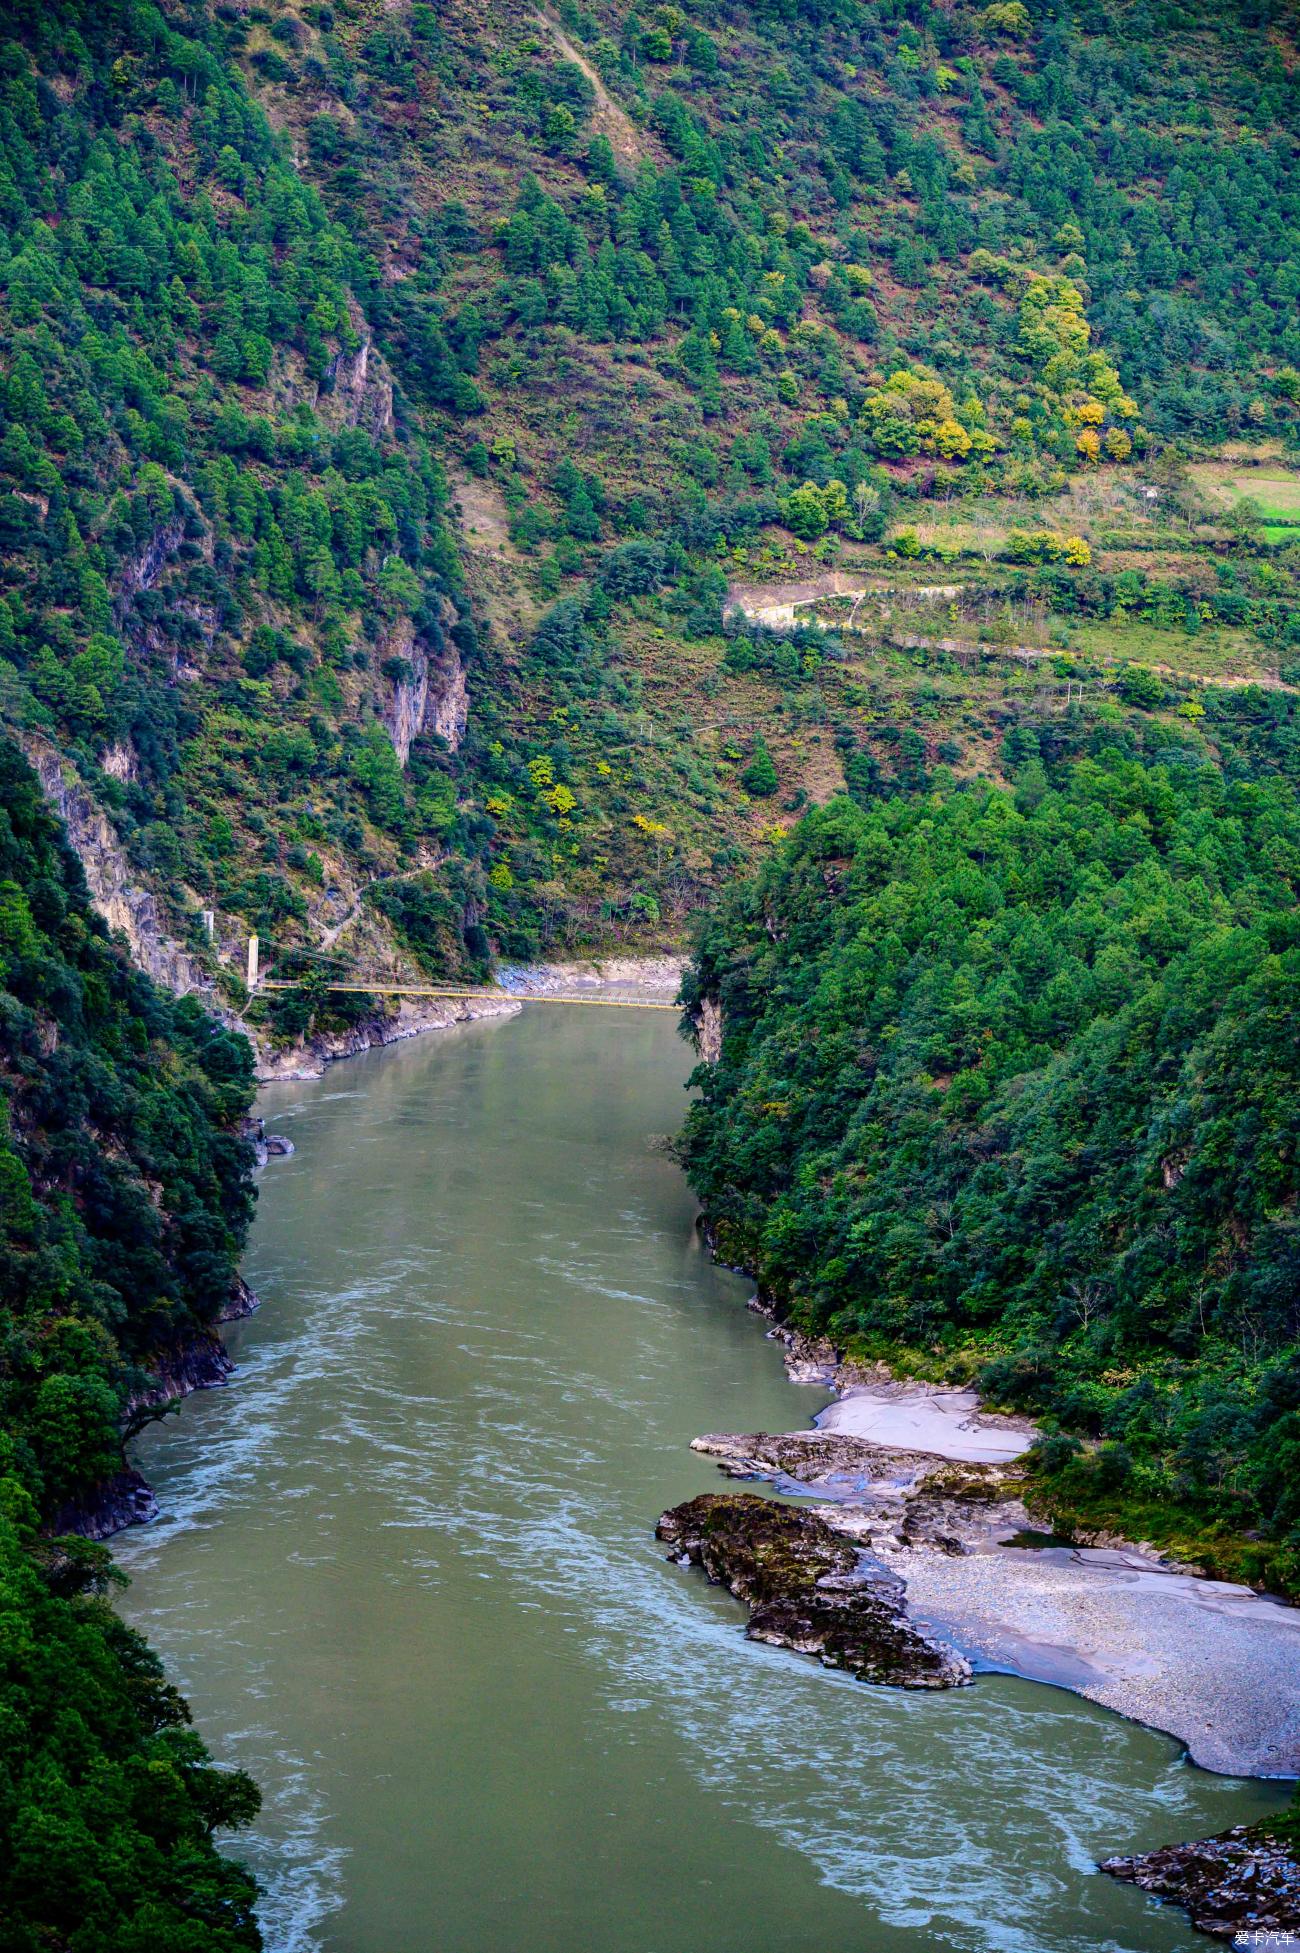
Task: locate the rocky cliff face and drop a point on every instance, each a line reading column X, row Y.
column 143, row 572
column 197, row 1362
column 447, row 709
column 128, row 906
column 404, row 718
column 243, row 1301
column 123, row 902
column 359, row 388
column 125, row 1499
column 708, row 1030
column 433, row 698
column 358, row 392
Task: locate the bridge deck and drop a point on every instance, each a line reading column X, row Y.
column 466, row 990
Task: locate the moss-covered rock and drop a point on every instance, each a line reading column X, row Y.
column 809, row 1589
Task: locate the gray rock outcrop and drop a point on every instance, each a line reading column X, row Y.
column 124, row 902
column 1244, row 1882
column 433, row 697
column 809, row 1589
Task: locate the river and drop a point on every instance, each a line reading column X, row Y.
column 405, row 1570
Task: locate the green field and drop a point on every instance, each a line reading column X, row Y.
column 1220, row 653
column 1275, row 493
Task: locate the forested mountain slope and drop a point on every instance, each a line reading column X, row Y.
column 716, row 302
column 393, row 396
column 470, row 476
column 124, row 1195
column 218, row 542
column 1009, row 1088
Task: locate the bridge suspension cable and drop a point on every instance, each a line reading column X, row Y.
column 378, row 988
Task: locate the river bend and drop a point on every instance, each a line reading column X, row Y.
column 405, row 1570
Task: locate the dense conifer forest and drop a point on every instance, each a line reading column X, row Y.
column 124, row 1195
column 406, row 412
column 1009, row 1090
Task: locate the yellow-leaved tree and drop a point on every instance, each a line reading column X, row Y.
column 913, row 412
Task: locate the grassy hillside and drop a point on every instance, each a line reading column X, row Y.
column 673, row 266
column 124, row 1195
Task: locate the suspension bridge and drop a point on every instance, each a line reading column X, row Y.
column 489, row 993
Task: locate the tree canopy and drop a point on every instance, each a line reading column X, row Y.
column 984, row 1098
column 124, row 1196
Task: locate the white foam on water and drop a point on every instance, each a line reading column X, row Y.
column 655, row 1630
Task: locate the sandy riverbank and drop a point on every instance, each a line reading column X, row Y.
column 941, row 1423
column 654, row 978
column 1214, row 1664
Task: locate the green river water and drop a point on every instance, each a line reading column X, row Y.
column 405, row 1570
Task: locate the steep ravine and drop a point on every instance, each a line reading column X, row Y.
column 129, row 906
column 198, row 1362
column 201, row 1362
column 490, row 1337
column 435, row 697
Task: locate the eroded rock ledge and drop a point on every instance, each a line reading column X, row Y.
column 1242, row 1881
column 194, row 1362
column 809, row 1589
column 876, row 1493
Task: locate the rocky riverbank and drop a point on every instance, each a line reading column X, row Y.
column 1214, row 1664
column 195, row 1362
column 632, row 977
column 658, row 977
column 1243, row 1883
column 809, row 1589
column 932, row 1506
column 389, row 1024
